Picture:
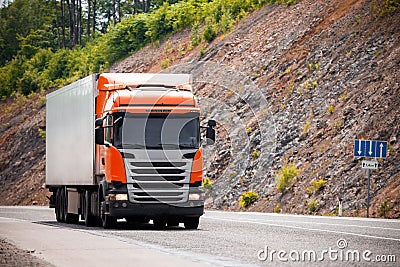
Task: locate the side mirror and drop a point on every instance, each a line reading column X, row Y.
column 99, row 135
column 210, row 132
column 212, row 123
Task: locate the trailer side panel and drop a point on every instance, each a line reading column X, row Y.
column 70, row 115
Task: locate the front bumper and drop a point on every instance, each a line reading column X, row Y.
column 125, row 208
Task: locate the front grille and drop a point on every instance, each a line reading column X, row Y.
column 158, row 164
column 158, row 181
column 158, row 171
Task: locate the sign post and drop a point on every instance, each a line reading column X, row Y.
column 370, row 149
column 369, row 185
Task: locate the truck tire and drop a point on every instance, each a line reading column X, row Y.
column 62, row 205
column 67, row 217
column 58, row 206
column 108, row 221
column 90, row 220
column 192, row 223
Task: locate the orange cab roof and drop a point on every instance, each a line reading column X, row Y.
column 114, row 81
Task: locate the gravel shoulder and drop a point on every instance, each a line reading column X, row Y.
column 10, row 255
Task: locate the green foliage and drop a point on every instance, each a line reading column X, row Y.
column 384, row 208
column 277, row 208
column 41, row 102
column 385, row 7
column 195, row 37
column 306, row 126
column 42, row 134
column 249, row 130
column 209, row 33
column 255, row 154
column 344, row 96
column 25, row 26
column 313, row 205
column 26, row 23
column 248, row 199
column 330, row 109
column 317, row 185
column 207, row 184
column 165, row 63
column 286, row 177
column 339, row 124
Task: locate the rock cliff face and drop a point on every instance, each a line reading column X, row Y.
column 292, row 85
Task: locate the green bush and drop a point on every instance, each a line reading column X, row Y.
column 207, row 184
column 42, row 134
column 248, row 199
column 209, row 33
column 384, row 208
column 312, row 205
column 285, row 177
column 277, row 208
column 317, row 185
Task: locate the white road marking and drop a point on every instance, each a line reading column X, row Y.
column 321, row 223
column 302, row 228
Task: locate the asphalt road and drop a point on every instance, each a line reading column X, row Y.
column 223, row 239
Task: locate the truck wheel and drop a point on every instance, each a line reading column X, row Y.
column 58, row 205
column 67, row 217
column 192, row 223
column 108, row 221
column 90, row 220
column 62, row 205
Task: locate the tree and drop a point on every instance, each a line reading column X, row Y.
column 17, row 20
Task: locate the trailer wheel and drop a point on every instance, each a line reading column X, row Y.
column 58, row 205
column 62, row 204
column 90, row 220
column 192, row 222
column 67, row 217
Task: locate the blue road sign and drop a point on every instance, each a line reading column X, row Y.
column 370, row 148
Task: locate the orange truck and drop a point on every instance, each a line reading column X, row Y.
column 126, row 146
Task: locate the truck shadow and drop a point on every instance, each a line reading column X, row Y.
column 121, row 225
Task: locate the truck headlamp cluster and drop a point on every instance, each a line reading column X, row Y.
column 197, row 196
column 118, row 197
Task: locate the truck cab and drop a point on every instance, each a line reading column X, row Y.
column 148, row 159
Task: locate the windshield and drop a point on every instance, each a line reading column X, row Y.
column 157, row 131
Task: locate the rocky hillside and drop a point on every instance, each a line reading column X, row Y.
column 291, row 87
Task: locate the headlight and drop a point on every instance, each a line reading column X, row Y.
column 196, row 196
column 118, row 196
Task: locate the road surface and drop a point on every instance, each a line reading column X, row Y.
column 223, row 239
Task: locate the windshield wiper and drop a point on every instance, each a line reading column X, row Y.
column 133, row 146
column 187, row 146
column 178, row 145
